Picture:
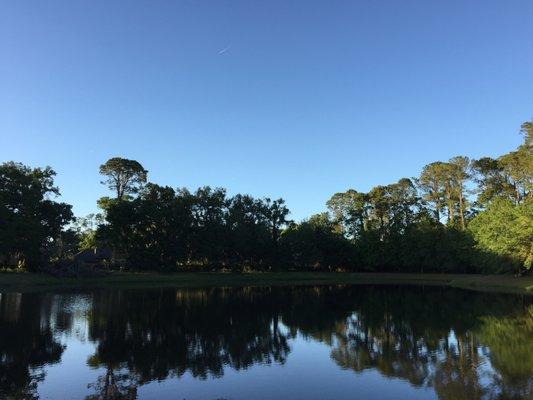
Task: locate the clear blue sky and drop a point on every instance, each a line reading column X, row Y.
column 298, row 99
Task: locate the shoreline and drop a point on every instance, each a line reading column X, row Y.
column 27, row 282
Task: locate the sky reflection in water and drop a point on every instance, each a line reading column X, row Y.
column 328, row 342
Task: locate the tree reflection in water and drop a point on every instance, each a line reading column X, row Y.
column 27, row 341
column 156, row 335
column 464, row 345
column 444, row 340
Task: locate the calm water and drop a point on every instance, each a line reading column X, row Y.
column 350, row 342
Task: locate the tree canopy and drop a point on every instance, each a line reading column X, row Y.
column 30, row 221
column 459, row 215
column 123, row 176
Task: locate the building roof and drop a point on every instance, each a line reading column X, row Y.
column 94, row 255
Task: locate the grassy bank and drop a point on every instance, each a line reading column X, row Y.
column 33, row 282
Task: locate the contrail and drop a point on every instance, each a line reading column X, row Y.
column 224, row 50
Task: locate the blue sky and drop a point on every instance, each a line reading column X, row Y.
column 298, row 99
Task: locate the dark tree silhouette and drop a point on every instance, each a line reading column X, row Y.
column 123, row 176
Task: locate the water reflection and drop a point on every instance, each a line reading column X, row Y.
column 156, row 335
column 463, row 345
column 27, row 342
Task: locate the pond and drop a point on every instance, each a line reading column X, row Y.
column 320, row 342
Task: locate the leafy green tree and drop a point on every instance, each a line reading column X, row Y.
column 403, row 205
column 350, row 212
column 394, row 227
column 518, row 167
column 385, row 209
column 379, row 209
column 164, row 229
column 209, row 235
column 443, row 185
column 276, row 213
column 30, row 221
column 510, row 176
column 85, row 229
column 506, row 230
column 431, row 183
column 123, row 176
column 429, row 246
column 460, row 171
column 249, row 235
column 491, row 181
column 315, row 244
column 527, row 130
column 149, row 230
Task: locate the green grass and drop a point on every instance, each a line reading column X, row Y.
column 32, row 282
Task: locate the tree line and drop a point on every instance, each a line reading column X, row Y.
column 459, row 215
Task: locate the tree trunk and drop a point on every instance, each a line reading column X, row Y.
column 461, row 210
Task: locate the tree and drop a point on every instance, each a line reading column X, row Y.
column 431, row 184
column 443, row 185
column 527, row 130
column 403, row 203
column 85, row 229
column 315, row 244
column 350, row 212
column 460, row 169
column 394, row 227
column 123, row 176
column 149, row 231
column 491, row 181
column 510, row 176
column 30, row 222
column 506, row 230
column 379, row 209
column 209, row 229
column 518, row 167
column 248, row 231
column 276, row 213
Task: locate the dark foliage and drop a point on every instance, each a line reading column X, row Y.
column 30, row 222
column 432, row 337
column 433, row 223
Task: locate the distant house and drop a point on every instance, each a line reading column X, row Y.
column 96, row 256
